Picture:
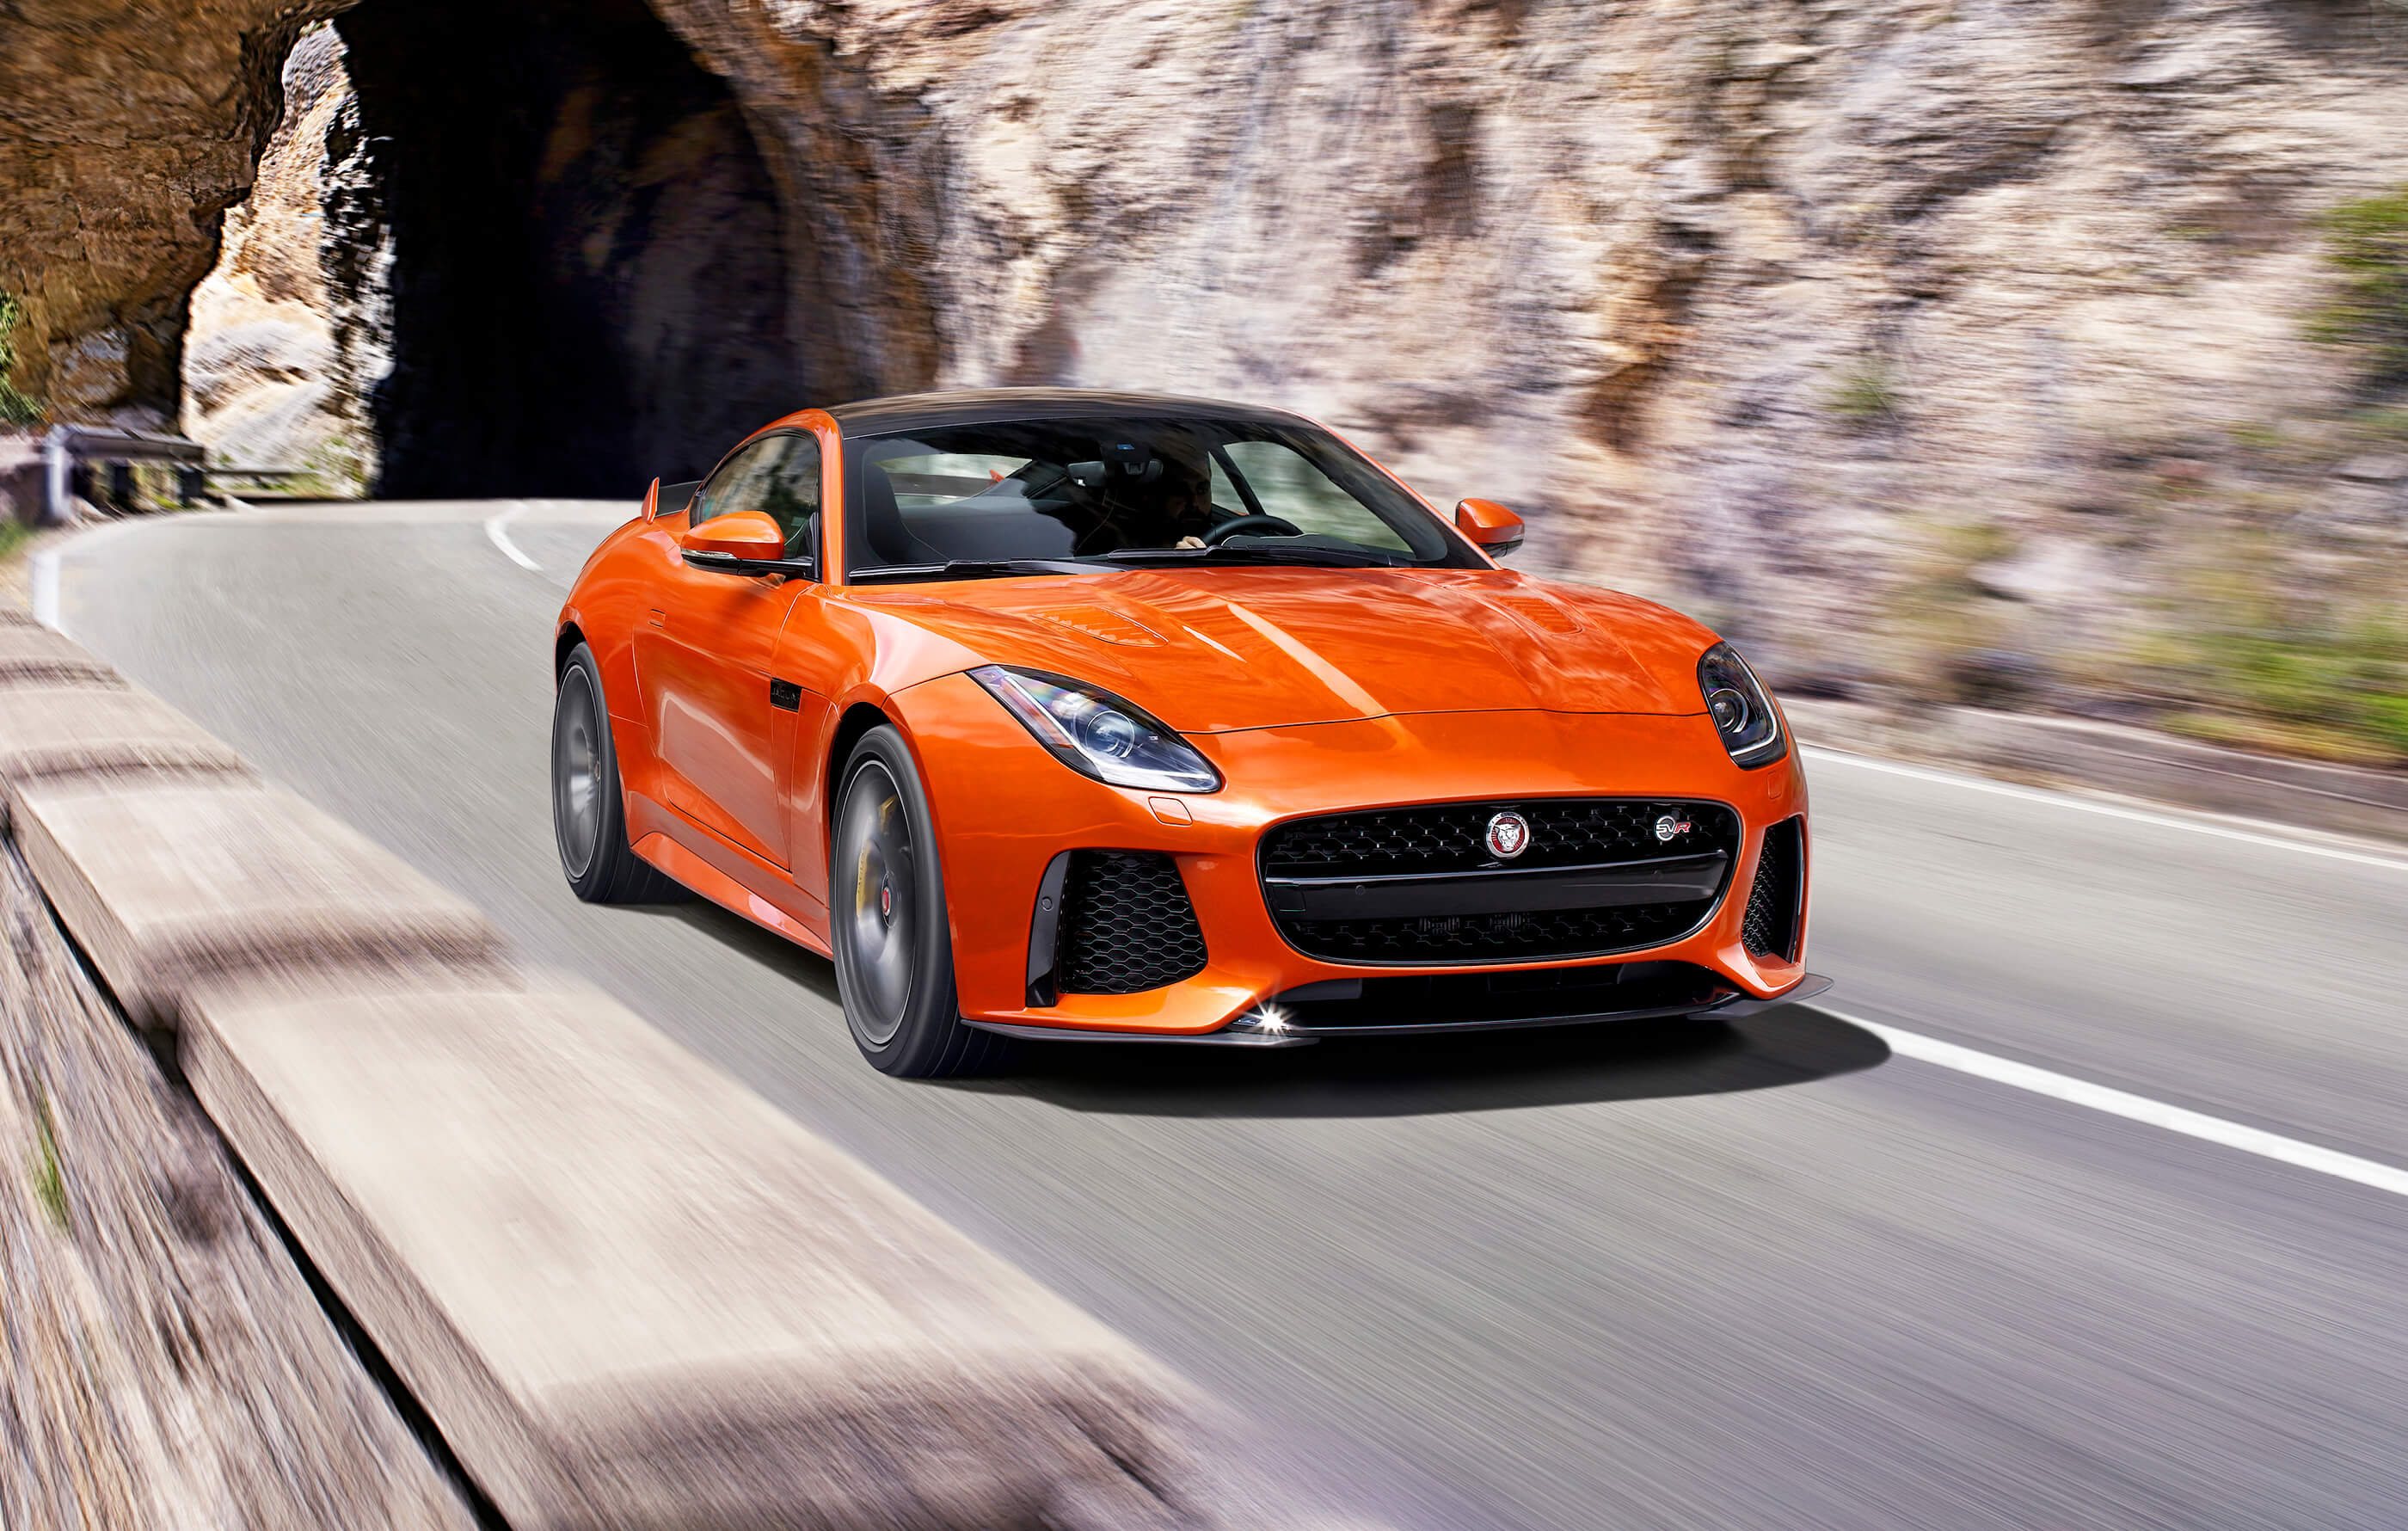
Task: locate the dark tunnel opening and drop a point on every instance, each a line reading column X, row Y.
column 589, row 282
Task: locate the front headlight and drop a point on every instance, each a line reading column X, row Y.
column 1743, row 713
column 1097, row 734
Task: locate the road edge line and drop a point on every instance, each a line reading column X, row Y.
column 496, row 532
column 2263, row 832
column 2133, row 1108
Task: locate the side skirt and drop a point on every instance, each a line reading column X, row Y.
column 725, row 891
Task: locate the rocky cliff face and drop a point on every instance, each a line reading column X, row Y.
column 292, row 328
column 1882, row 330
column 1766, row 306
column 590, row 284
column 126, row 128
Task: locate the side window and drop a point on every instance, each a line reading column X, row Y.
column 790, row 493
column 731, row 488
column 778, row 476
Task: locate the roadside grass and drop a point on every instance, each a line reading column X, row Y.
column 1935, row 616
column 2249, row 658
column 50, row 1181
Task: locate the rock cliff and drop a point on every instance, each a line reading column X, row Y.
column 292, row 328
column 1887, row 330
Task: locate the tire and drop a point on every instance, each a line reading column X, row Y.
column 888, row 926
column 589, row 805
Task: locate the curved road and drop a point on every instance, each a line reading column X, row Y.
column 1764, row 1276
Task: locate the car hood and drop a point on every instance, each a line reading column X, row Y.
column 1209, row 651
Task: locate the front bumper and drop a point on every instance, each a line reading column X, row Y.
column 1005, row 809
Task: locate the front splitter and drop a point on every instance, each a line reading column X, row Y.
column 1236, row 1034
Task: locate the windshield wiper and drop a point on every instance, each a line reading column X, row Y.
column 1325, row 558
column 972, row 569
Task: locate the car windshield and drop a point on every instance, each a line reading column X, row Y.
column 1051, row 495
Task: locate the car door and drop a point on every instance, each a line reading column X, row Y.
column 813, row 662
column 703, row 667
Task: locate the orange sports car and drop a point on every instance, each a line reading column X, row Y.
column 1110, row 717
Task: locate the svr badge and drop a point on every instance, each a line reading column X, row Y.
column 1509, row 833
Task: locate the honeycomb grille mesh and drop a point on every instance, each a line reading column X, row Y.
column 1450, row 836
column 1126, row 925
column 1770, row 927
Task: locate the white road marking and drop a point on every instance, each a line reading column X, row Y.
column 501, row 538
column 44, row 570
column 2156, row 1113
column 2272, row 835
column 45, row 575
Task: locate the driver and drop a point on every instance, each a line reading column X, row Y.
column 1186, row 504
column 1186, row 508
column 1168, row 505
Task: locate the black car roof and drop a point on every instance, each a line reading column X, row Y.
column 985, row 405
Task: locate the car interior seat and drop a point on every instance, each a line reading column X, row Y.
column 882, row 521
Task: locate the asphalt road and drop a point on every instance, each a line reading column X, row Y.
column 1762, row 1276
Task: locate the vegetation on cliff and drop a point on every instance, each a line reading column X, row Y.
column 2367, row 242
column 15, row 408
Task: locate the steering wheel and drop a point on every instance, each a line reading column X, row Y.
column 1248, row 525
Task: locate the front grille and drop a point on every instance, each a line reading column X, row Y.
column 1126, row 925
column 1447, row 836
column 1443, row 838
column 1771, row 928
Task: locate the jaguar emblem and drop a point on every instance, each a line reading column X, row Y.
column 1508, row 835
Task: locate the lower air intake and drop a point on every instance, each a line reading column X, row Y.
column 1770, row 928
column 1126, row 925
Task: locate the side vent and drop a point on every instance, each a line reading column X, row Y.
column 1126, row 925
column 1771, row 929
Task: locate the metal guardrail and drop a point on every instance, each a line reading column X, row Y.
column 66, row 447
column 69, row 451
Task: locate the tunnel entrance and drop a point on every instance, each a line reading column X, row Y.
column 588, row 283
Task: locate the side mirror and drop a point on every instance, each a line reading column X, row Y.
column 732, row 542
column 1493, row 529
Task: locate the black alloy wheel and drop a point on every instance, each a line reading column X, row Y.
column 589, row 811
column 887, row 921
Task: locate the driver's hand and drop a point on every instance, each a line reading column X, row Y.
column 1189, row 542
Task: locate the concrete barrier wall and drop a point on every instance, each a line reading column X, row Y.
column 632, row 1293
column 628, row 1292
column 31, row 655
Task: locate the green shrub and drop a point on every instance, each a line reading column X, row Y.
column 1865, row 394
column 15, row 408
column 2367, row 242
column 2321, row 674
